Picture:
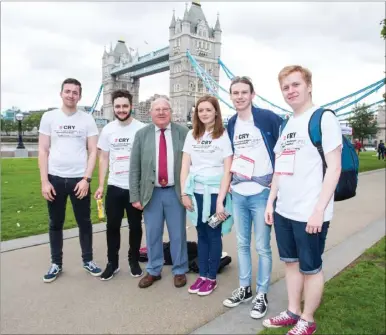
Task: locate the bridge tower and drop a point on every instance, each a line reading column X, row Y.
column 120, row 54
column 192, row 33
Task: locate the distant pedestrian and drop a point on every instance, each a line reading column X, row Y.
column 381, row 150
column 358, row 146
column 67, row 154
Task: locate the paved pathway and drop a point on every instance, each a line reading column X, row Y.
column 79, row 304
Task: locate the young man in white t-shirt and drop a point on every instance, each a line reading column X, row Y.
column 115, row 143
column 253, row 133
column 305, row 200
column 67, row 154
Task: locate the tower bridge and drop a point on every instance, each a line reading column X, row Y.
column 122, row 67
column 193, row 61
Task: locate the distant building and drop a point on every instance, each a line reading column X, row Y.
column 10, row 114
column 142, row 112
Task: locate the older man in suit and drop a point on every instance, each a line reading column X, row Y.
column 155, row 187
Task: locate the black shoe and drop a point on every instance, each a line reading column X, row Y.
column 260, row 306
column 135, row 269
column 242, row 294
column 109, row 272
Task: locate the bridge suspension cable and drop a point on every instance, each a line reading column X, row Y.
column 96, row 99
column 213, row 86
column 355, row 97
column 371, row 107
column 230, row 75
column 208, row 81
column 336, row 105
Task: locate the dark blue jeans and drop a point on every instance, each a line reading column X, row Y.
column 209, row 241
column 64, row 187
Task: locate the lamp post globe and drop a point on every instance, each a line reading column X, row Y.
column 19, row 118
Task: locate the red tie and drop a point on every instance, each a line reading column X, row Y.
column 162, row 160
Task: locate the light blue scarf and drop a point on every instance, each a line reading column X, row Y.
column 212, row 181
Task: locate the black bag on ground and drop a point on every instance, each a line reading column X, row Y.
column 192, row 257
column 192, row 253
column 193, row 265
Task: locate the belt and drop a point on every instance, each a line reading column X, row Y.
column 162, row 187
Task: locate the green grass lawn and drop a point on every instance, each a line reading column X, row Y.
column 24, row 210
column 354, row 300
column 368, row 161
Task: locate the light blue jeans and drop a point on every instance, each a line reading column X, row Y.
column 248, row 209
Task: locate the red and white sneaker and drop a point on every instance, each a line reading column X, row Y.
column 281, row 320
column 303, row 328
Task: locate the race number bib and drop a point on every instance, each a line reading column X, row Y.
column 243, row 166
column 121, row 165
column 285, row 162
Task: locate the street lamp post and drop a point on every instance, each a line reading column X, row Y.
column 19, row 118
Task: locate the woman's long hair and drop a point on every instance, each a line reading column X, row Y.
column 199, row 127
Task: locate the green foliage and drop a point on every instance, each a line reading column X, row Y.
column 8, row 126
column 383, row 31
column 363, row 122
column 32, row 121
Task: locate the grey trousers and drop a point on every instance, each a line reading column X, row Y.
column 165, row 205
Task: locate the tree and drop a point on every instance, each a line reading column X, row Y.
column 363, row 122
column 7, row 126
column 32, row 121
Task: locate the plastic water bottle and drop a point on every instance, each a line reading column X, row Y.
column 101, row 209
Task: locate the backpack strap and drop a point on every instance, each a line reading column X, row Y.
column 315, row 133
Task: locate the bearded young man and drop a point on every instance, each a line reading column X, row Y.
column 115, row 144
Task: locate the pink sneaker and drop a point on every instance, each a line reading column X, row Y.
column 303, row 328
column 281, row 320
column 197, row 284
column 208, row 287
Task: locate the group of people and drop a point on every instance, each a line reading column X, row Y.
column 254, row 175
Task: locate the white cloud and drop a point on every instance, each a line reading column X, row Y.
column 44, row 43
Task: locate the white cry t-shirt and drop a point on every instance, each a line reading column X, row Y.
column 299, row 193
column 249, row 142
column 69, row 133
column 117, row 139
column 207, row 156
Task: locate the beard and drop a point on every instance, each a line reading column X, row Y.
column 122, row 118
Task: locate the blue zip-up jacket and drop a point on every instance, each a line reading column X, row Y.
column 268, row 122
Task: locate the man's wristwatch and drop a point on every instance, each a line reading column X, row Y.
column 87, row 179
